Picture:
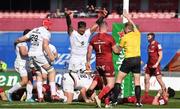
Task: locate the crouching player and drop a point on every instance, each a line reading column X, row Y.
column 74, row 80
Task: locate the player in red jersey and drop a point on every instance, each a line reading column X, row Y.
column 153, row 65
column 161, row 98
column 104, row 45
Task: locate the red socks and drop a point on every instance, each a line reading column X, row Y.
column 103, row 92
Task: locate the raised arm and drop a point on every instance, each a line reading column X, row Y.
column 99, row 20
column 68, row 22
column 125, row 14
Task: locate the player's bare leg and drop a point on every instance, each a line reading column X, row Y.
column 147, row 84
column 69, row 96
column 51, row 77
column 23, row 82
column 160, row 81
column 39, row 86
column 29, row 89
column 110, row 84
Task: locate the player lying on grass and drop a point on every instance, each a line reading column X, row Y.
column 161, row 98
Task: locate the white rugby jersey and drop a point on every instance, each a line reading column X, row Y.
column 79, row 43
column 18, row 55
column 52, row 49
column 37, row 35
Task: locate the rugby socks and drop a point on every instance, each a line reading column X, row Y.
column 39, row 89
column 15, row 87
column 53, row 88
column 138, row 93
column 107, row 100
column 116, row 92
column 103, row 92
column 29, row 88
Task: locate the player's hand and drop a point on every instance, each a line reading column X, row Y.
column 88, row 66
column 145, row 66
column 155, row 65
column 88, row 101
column 51, row 58
column 105, row 12
column 68, row 12
column 125, row 14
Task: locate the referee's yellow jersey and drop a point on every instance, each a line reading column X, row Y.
column 131, row 42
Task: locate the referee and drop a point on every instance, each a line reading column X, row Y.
column 131, row 44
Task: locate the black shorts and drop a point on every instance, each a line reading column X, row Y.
column 131, row 65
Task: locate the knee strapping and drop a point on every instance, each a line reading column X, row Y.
column 49, row 69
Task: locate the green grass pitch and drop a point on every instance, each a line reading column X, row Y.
column 173, row 103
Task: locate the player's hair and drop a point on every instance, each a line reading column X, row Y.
column 152, row 34
column 171, row 92
column 129, row 26
column 81, row 24
column 26, row 31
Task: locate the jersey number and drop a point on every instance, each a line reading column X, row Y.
column 34, row 40
column 99, row 49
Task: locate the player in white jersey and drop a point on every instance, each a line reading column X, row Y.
column 44, row 72
column 20, row 66
column 72, row 81
column 79, row 43
column 40, row 38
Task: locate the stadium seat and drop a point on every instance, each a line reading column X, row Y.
column 147, row 15
column 141, row 15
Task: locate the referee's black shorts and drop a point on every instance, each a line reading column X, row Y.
column 132, row 64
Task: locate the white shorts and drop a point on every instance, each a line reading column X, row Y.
column 21, row 67
column 84, row 80
column 67, row 83
column 43, row 71
column 79, row 82
column 40, row 60
column 77, row 64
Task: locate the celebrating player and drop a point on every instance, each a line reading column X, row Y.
column 104, row 45
column 40, row 38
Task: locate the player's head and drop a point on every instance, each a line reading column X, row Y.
column 150, row 37
column 171, row 92
column 128, row 27
column 103, row 27
column 26, row 31
column 46, row 23
column 81, row 27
